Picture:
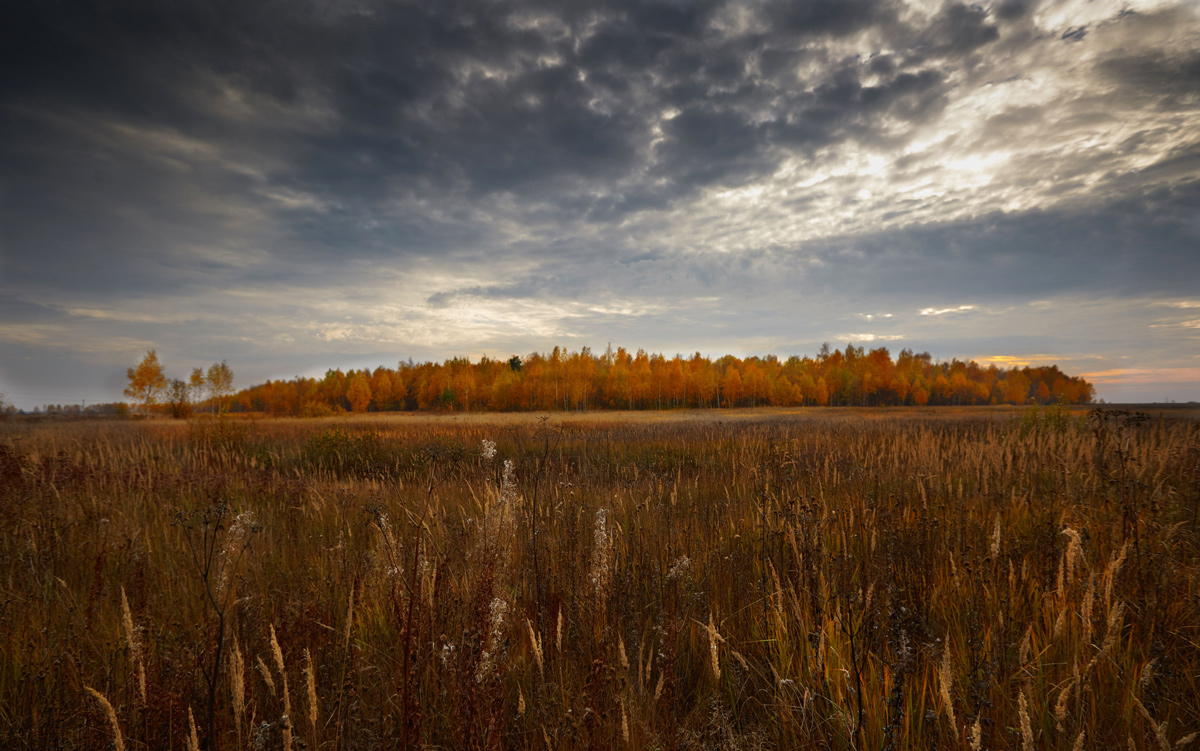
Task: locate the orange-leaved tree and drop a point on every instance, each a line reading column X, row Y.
column 147, row 381
column 359, row 393
column 220, row 383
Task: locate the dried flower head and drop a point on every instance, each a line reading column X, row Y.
column 492, row 653
column 236, row 539
column 679, row 567
column 602, row 554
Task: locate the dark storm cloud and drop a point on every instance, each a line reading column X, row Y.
column 1010, row 10
column 366, row 101
column 1164, row 80
column 959, row 29
column 827, row 17
column 998, row 257
column 1034, row 254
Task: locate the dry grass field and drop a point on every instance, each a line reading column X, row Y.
column 814, row 578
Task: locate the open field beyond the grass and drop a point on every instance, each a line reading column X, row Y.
column 987, row 578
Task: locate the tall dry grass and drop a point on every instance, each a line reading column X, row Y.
column 814, row 580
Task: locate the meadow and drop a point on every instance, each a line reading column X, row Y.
column 983, row 578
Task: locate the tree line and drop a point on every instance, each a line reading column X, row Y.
column 585, row 380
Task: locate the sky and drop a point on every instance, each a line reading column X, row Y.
column 298, row 185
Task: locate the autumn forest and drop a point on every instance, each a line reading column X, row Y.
column 584, row 380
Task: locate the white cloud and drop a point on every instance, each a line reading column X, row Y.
column 944, row 311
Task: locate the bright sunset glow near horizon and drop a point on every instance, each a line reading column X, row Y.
column 297, row 186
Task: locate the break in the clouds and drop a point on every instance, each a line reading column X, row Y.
column 292, row 185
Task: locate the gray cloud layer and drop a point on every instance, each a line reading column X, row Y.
column 294, row 185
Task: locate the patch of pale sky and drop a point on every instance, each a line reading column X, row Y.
column 1022, row 361
column 71, row 338
column 546, row 24
column 479, row 321
column 236, row 256
column 627, row 308
column 305, row 111
column 287, row 198
column 470, row 320
column 978, row 179
column 165, row 145
column 868, row 337
column 105, row 314
column 1057, row 16
column 737, row 19
column 1144, row 376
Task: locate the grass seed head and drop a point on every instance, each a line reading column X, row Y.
column 1110, row 575
column 237, row 684
column 193, row 741
column 1023, row 651
column 558, row 632
column 1160, row 730
column 111, row 714
column 127, row 624
column 1085, row 611
column 714, row 660
column 1060, row 707
column 945, row 682
column 265, row 672
column 1116, row 615
column 1026, row 726
column 1147, row 674
column 277, row 653
column 536, row 643
column 1074, row 554
column 311, row 681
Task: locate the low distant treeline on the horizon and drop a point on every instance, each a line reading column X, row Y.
column 585, row 380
